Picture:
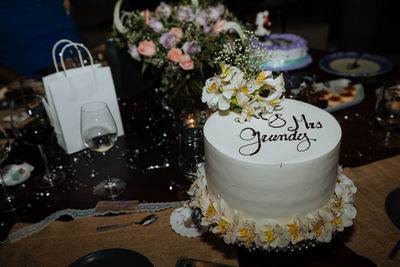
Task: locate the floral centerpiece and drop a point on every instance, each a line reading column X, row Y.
column 178, row 42
column 242, row 85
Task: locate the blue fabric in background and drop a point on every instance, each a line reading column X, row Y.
column 28, row 31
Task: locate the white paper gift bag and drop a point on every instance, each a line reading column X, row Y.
column 68, row 89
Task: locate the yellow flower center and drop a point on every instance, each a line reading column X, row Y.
column 225, row 73
column 269, row 236
column 337, row 221
column 274, row 102
column 210, row 211
column 293, row 231
column 223, row 226
column 249, row 112
column 245, row 89
column 261, row 77
column 246, row 234
column 339, row 205
column 213, row 87
column 317, row 229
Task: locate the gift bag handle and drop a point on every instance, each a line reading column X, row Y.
column 76, row 46
column 54, row 52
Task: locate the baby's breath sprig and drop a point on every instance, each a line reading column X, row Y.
column 243, row 54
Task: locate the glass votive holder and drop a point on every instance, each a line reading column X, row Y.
column 188, row 117
column 191, row 150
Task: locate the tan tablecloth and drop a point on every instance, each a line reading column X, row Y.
column 61, row 243
column 373, row 234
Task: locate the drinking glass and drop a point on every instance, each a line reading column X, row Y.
column 31, row 124
column 8, row 202
column 388, row 115
column 99, row 133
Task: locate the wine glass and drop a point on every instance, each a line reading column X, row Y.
column 8, row 202
column 388, row 114
column 31, row 124
column 99, row 133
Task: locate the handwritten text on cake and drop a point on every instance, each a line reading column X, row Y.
column 256, row 139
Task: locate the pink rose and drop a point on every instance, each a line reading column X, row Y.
column 147, row 48
column 174, row 54
column 177, row 32
column 219, row 25
column 185, row 62
column 146, row 15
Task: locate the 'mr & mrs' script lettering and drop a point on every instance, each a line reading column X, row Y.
column 255, row 139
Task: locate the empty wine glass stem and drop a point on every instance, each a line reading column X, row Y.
column 44, row 157
column 108, row 179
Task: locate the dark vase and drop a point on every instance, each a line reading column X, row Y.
column 127, row 78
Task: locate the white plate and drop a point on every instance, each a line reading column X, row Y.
column 336, row 86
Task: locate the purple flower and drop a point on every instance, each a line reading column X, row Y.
column 164, row 9
column 201, row 17
column 221, row 8
column 191, row 48
column 167, row 40
column 207, row 28
column 133, row 51
column 215, row 12
column 184, row 13
column 155, row 25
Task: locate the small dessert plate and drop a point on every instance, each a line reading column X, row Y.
column 336, row 87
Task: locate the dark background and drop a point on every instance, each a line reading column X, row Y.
column 338, row 25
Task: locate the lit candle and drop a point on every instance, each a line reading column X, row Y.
column 190, row 120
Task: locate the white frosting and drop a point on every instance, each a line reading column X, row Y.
column 283, row 178
column 291, row 54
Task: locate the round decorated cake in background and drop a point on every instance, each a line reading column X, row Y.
column 286, row 51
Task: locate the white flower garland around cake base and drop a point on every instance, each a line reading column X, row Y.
column 318, row 225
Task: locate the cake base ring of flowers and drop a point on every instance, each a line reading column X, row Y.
column 268, row 234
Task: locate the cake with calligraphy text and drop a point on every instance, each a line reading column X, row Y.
column 274, row 180
column 271, row 177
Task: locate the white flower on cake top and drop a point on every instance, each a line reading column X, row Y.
column 232, row 89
